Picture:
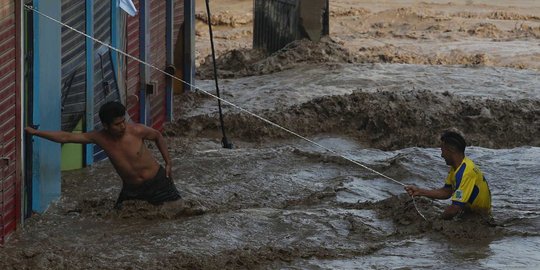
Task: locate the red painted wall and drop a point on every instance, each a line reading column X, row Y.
column 10, row 117
column 158, row 58
column 133, row 73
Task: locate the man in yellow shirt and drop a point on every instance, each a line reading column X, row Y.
column 465, row 183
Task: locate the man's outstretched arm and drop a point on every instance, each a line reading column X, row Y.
column 440, row 193
column 61, row 136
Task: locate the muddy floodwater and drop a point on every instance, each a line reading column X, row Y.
column 289, row 205
column 391, row 76
column 279, row 202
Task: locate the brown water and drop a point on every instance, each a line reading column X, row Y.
column 390, row 78
column 288, row 205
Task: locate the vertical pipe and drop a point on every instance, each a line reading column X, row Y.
column 29, row 106
column 117, row 30
column 170, row 58
column 89, row 148
column 114, row 34
column 36, row 66
column 189, row 44
column 144, row 39
column 35, row 105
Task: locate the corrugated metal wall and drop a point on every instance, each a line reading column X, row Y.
column 178, row 18
column 155, row 109
column 105, row 86
column 9, row 118
column 275, row 23
column 133, row 72
column 279, row 22
column 73, row 64
column 179, row 44
column 158, row 58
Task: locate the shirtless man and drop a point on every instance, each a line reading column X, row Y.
column 143, row 178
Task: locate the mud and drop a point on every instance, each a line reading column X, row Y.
column 225, row 18
column 418, row 34
column 295, row 211
column 379, row 90
column 241, row 63
column 250, row 62
column 386, row 120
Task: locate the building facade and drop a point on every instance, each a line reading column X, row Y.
column 59, row 62
column 10, row 117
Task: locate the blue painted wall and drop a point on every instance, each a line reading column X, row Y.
column 89, row 125
column 144, row 51
column 47, row 92
column 115, row 34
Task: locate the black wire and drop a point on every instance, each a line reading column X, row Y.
column 224, row 140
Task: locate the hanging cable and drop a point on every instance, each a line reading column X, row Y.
column 228, row 102
column 224, row 142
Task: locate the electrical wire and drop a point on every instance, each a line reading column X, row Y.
column 231, row 104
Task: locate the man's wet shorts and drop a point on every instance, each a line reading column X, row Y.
column 156, row 191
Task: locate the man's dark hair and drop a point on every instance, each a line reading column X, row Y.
column 454, row 140
column 111, row 110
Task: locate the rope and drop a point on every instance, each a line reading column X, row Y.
column 229, row 103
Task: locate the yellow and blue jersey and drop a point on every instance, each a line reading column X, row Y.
column 469, row 186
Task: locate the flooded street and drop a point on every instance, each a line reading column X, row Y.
column 379, row 91
column 289, row 205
